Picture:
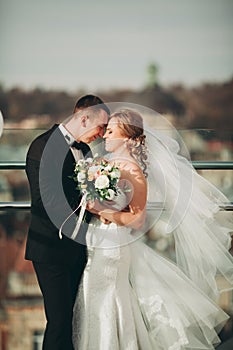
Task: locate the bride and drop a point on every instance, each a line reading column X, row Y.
column 131, row 297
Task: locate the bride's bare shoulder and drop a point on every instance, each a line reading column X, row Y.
column 130, row 169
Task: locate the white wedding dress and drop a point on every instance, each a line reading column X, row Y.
column 132, row 298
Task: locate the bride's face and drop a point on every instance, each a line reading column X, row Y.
column 114, row 136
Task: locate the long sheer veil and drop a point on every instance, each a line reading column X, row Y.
column 193, row 214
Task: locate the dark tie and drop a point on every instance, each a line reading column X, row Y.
column 83, row 147
column 77, row 145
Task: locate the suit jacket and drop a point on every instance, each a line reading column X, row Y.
column 49, row 165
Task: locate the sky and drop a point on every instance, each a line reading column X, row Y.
column 105, row 44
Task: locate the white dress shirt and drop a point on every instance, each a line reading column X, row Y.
column 77, row 153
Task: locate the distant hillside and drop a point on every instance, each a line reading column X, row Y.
column 207, row 106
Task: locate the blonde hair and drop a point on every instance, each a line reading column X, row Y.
column 131, row 124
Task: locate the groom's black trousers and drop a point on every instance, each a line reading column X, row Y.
column 59, row 285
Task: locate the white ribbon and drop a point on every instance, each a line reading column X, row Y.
column 82, row 204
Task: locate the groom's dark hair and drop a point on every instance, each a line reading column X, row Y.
column 89, row 101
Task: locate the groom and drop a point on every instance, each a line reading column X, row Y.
column 59, row 263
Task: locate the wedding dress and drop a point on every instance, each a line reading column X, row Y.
column 132, row 298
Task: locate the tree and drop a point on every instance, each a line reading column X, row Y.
column 152, row 70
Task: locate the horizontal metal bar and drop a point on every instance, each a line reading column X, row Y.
column 200, row 165
column 15, row 205
column 204, row 165
column 14, row 165
column 150, row 206
column 227, row 207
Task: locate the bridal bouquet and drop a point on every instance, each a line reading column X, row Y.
column 97, row 178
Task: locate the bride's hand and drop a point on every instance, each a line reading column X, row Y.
column 94, row 207
column 90, row 206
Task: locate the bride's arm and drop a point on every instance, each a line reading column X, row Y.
column 135, row 217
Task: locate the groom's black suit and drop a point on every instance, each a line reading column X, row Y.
column 58, row 263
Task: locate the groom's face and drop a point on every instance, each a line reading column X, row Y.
column 95, row 127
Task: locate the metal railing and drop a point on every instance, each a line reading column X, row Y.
column 198, row 165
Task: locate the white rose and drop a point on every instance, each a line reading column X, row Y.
column 81, row 177
column 89, row 160
column 102, row 182
column 115, row 174
column 93, row 170
column 111, row 194
column 81, row 162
